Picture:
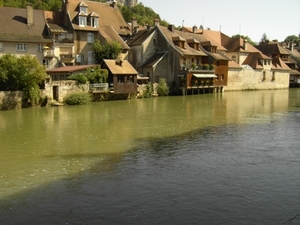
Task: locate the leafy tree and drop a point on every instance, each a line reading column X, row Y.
column 24, row 73
column 245, row 38
column 292, row 38
column 97, row 75
column 79, row 77
column 109, row 50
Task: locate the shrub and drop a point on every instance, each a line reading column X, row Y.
column 148, row 92
column 78, row 99
column 79, row 77
column 162, row 87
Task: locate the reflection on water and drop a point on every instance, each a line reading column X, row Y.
column 188, row 154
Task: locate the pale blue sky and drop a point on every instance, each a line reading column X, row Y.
column 277, row 18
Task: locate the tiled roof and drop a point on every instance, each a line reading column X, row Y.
column 169, row 35
column 115, row 68
column 140, row 37
column 13, row 26
column 272, row 48
column 253, row 60
column 236, row 44
column 55, row 22
column 109, row 34
column 69, row 69
column 278, row 64
column 152, row 61
column 108, row 16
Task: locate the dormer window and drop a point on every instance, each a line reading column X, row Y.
column 83, row 7
column 82, row 21
column 94, row 22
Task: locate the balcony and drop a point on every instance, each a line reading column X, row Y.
column 49, row 53
column 65, row 57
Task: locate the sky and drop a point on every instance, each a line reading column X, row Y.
column 276, row 18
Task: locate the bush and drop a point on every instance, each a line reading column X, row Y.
column 162, row 87
column 79, row 77
column 78, row 99
column 148, row 92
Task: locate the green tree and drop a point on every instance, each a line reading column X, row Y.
column 23, row 73
column 109, row 50
column 245, row 38
column 162, row 87
column 97, row 75
column 264, row 38
column 292, row 38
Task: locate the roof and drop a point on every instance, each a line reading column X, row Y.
column 108, row 16
column 237, row 44
column 54, row 21
column 217, row 38
column 178, row 35
column 13, row 24
column 109, row 34
column 117, row 68
column 152, row 61
column 140, row 37
column 278, row 64
column 253, row 60
column 272, row 48
column 70, row 69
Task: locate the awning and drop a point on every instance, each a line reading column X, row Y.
column 205, row 75
column 142, row 78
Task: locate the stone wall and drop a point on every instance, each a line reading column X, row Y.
column 249, row 79
column 10, row 100
column 63, row 89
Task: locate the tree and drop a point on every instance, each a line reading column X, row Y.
column 97, row 75
column 264, row 38
column 245, row 38
column 292, row 38
column 109, row 50
column 24, row 74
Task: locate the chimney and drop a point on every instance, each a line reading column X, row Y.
column 114, row 3
column 66, row 11
column 134, row 26
column 29, row 14
column 156, row 22
column 194, row 29
column 245, row 45
column 291, row 46
column 171, row 28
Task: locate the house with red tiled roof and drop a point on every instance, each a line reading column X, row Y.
column 249, row 67
column 23, row 31
column 285, row 58
column 92, row 20
column 164, row 52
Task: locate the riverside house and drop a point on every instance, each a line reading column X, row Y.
column 23, row 31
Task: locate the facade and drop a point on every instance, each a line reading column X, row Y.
column 122, row 76
column 90, row 20
column 23, row 31
column 277, row 52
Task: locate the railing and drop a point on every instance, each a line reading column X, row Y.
column 49, row 53
column 99, row 87
column 64, row 40
column 68, row 55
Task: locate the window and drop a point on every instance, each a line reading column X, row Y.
column 1, row 46
column 264, row 76
column 21, row 47
column 157, row 79
column 94, row 21
column 130, row 79
column 217, row 78
column 90, row 38
column 46, row 63
column 82, row 21
column 83, row 9
column 273, row 76
column 79, row 58
column 120, row 79
column 233, row 58
column 222, row 76
column 40, row 47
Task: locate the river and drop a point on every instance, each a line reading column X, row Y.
column 231, row 158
